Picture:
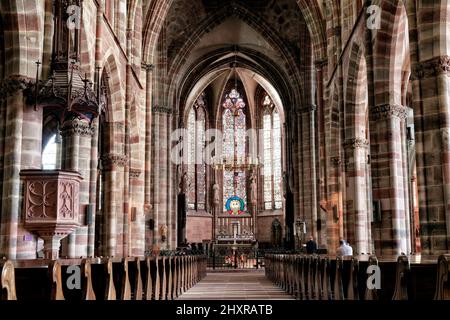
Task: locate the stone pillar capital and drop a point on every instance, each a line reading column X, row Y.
column 135, row 173
column 356, row 143
column 320, row 64
column 388, row 111
column 11, row 85
column 113, row 159
column 336, row 161
column 148, row 67
column 77, row 127
column 431, row 68
column 308, row 109
column 162, row 110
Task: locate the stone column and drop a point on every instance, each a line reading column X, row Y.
column 432, row 124
column 314, row 206
column 93, row 188
column 12, row 165
column 387, row 122
column 148, row 144
column 357, row 202
column 308, row 169
column 77, row 143
column 163, row 176
column 113, row 165
column 321, row 66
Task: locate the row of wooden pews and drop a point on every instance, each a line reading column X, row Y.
column 315, row 277
column 151, row 278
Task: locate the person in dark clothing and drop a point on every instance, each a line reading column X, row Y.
column 311, row 246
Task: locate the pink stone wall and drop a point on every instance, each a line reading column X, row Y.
column 198, row 229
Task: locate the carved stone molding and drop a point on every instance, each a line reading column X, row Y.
column 357, row 143
column 388, row 111
column 320, row 64
column 308, row 109
column 12, row 85
column 135, row 173
column 432, row 68
column 162, row 110
column 148, row 67
column 77, row 127
column 114, row 159
column 336, row 161
column 337, row 31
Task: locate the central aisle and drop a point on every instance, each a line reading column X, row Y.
column 245, row 285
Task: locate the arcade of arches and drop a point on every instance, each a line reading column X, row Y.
column 136, row 125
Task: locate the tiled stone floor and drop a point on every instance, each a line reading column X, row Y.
column 247, row 285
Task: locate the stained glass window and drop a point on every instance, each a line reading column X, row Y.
column 234, row 146
column 273, row 191
column 196, row 165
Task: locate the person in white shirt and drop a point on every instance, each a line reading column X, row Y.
column 344, row 250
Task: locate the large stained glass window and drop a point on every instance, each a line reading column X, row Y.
column 196, row 165
column 273, row 193
column 234, row 147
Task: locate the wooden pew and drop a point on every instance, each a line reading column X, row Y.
column 317, row 278
column 401, row 279
column 8, row 281
column 56, row 281
column 88, row 288
column 135, row 278
column 443, row 279
column 338, row 287
column 103, row 279
column 162, row 277
column 371, row 294
column 353, row 276
column 34, row 281
column 170, row 278
column 303, row 278
column 147, row 278
column 182, row 275
column 423, row 278
column 327, row 293
column 121, row 278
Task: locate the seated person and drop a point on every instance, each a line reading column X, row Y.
column 344, row 250
column 311, row 246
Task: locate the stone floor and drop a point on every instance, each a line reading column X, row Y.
column 246, row 285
